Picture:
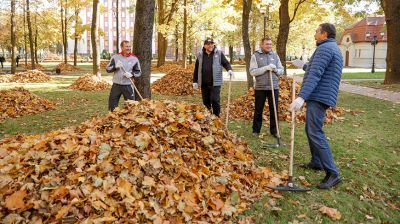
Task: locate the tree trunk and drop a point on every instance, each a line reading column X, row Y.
column 283, row 35
column 246, row 42
column 28, row 18
column 144, row 22
column 36, row 37
column 94, row 35
column 62, row 22
column 163, row 18
column 117, row 21
column 76, row 37
column 25, row 44
column 160, row 38
column 65, row 33
column 161, row 42
column 13, row 38
column 177, row 42
column 231, row 54
column 184, row 53
column 392, row 17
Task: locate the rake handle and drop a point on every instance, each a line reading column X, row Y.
column 292, row 130
column 229, row 101
column 133, row 84
column 274, row 105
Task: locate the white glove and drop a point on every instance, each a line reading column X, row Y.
column 119, row 64
column 195, row 86
column 230, row 72
column 298, row 63
column 296, row 104
column 270, row 67
column 128, row 75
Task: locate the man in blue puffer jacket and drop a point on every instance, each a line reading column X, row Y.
column 320, row 89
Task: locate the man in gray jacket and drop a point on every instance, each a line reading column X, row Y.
column 125, row 65
column 262, row 62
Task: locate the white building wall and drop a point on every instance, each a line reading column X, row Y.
column 361, row 54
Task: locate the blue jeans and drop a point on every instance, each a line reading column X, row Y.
column 321, row 154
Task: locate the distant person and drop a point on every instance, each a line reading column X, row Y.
column 125, row 65
column 2, row 60
column 17, row 59
column 320, row 89
column 208, row 75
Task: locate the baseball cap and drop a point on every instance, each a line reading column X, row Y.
column 208, row 40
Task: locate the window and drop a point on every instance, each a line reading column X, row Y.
column 355, row 53
column 359, row 53
column 106, row 24
column 348, row 39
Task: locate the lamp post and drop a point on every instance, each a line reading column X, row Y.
column 374, row 42
column 264, row 12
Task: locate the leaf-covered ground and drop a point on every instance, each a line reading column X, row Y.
column 366, row 147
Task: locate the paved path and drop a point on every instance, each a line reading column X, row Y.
column 366, row 91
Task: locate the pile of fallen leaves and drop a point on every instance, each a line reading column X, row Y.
column 241, row 62
column 243, row 107
column 151, row 162
column 176, row 82
column 31, row 76
column 37, row 66
column 103, row 64
column 90, row 82
column 19, row 101
column 5, row 78
column 170, row 66
column 67, row 67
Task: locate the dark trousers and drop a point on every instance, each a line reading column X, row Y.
column 116, row 92
column 211, row 98
column 260, row 98
column 1, row 64
column 321, row 154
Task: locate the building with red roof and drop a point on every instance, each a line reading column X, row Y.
column 356, row 46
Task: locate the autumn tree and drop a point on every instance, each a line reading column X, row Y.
column 247, row 4
column 284, row 27
column 143, row 35
column 13, row 37
column 165, row 12
column 185, row 24
column 392, row 17
column 28, row 19
column 79, row 28
column 94, row 36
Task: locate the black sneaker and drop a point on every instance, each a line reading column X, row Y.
column 330, row 181
column 311, row 166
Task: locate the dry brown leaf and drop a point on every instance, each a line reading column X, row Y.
column 333, row 213
column 16, row 200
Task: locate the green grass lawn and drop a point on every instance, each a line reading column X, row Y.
column 366, row 148
column 363, row 75
column 377, row 85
